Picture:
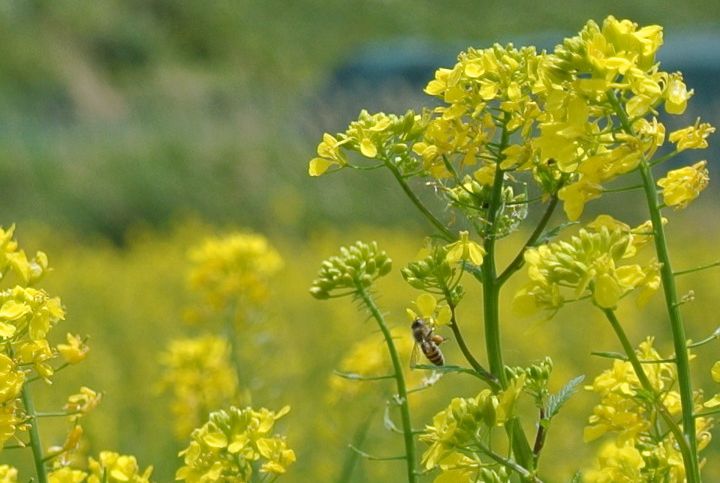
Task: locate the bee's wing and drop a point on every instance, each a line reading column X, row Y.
column 414, row 355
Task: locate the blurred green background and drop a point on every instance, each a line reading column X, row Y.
column 121, row 120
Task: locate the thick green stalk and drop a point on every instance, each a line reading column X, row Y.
column 685, row 448
column 491, row 285
column 676, row 323
column 35, row 442
column 402, row 395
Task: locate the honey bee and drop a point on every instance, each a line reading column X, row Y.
column 429, row 343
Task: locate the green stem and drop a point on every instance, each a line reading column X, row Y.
column 402, row 396
column 673, row 309
column 676, row 323
column 231, row 336
column 508, row 463
column 419, row 204
column 685, row 448
column 491, row 304
column 479, row 369
column 519, row 259
column 697, row 269
column 491, row 287
column 35, row 442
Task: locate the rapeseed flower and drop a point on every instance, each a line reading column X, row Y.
column 683, row 185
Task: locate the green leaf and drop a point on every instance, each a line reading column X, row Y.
column 556, row 401
column 520, row 447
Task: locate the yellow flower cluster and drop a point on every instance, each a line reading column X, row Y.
column 588, row 264
column 577, row 117
column 110, row 467
column 225, row 448
column 375, row 136
column 27, row 314
column 233, row 273
column 200, row 377
column 639, row 452
column 462, row 426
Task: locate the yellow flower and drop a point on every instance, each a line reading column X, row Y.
column 329, row 154
column 233, row 270
column 575, row 196
column 692, row 137
column 465, row 250
column 676, row 94
column 112, row 467
column 11, row 380
column 11, row 420
column 681, row 186
column 617, row 464
column 225, row 447
column 8, row 474
column 75, row 350
column 67, row 475
column 199, row 375
column 83, row 402
column 588, row 263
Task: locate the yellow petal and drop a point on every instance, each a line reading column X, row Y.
column 426, row 304
column 318, row 166
column 716, row 371
column 368, row 148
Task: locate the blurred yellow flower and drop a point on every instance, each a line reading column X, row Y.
column 112, row 467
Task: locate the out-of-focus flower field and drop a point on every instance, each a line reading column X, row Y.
column 132, row 301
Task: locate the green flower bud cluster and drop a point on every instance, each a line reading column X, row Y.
column 432, row 273
column 536, row 376
column 496, row 475
column 588, row 262
column 357, row 267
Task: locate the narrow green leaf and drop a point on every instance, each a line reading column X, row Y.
column 556, row 401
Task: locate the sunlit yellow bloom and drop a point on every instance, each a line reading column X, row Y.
column 67, row 475
column 8, row 474
column 37, row 353
column 233, row 271
column 576, row 195
column 83, row 402
column 681, row 186
column 466, row 250
column 11, row 420
column 329, row 154
column 715, row 371
column 11, row 379
column 199, row 375
column 116, row 468
column 692, row 137
column 75, row 350
column 226, row 446
column 278, row 455
column 676, row 95
column 617, row 464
